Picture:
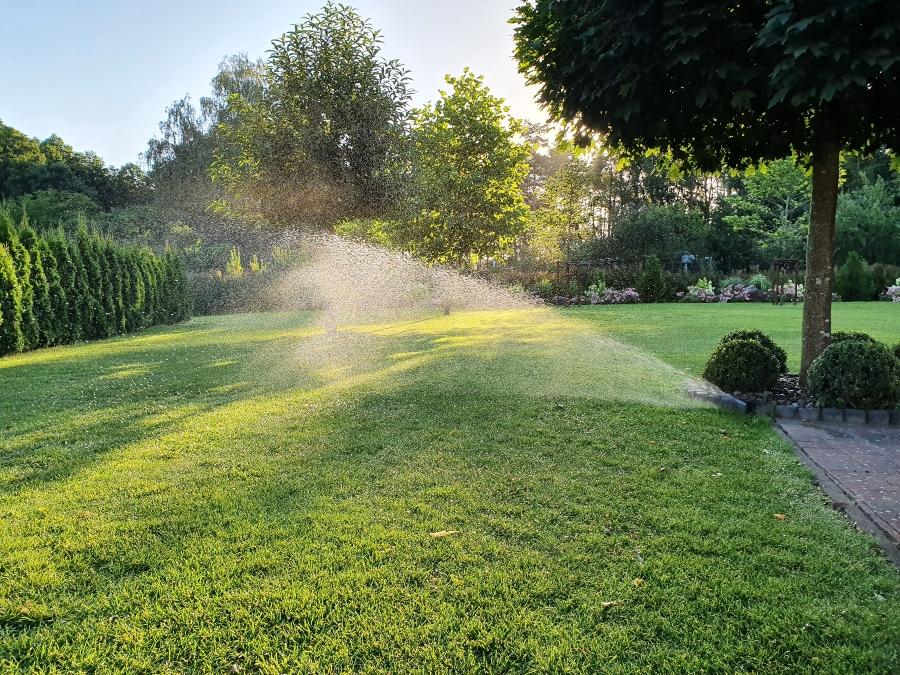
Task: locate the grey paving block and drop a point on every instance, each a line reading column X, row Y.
column 854, row 416
column 862, row 465
column 809, row 414
column 881, row 418
column 832, row 415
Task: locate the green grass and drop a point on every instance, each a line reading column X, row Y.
column 244, row 490
column 686, row 335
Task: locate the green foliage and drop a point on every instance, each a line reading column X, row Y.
column 372, row 230
column 771, row 207
column 760, row 281
column 742, row 365
column 11, row 338
column 854, row 374
column 42, row 303
column 42, row 168
column 325, row 141
column 563, row 217
column 661, row 230
column 87, row 287
column 868, row 222
column 884, row 276
column 843, row 335
column 49, row 208
column 853, row 280
column 766, row 341
column 56, row 324
column 814, row 66
column 652, row 285
column 234, row 267
column 94, row 323
column 466, row 200
column 22, row 259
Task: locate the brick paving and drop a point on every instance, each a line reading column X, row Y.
column 859, row 468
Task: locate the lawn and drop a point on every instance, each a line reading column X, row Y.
column 685, row 335
column 519, row 490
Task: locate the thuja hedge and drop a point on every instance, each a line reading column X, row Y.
column 57, row 289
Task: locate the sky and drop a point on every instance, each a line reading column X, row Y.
column 100, row 73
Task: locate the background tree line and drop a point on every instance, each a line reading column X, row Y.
column 322, row 134
column 57, row 289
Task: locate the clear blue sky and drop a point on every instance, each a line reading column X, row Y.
column 100, row 72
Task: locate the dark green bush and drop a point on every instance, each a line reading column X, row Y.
column 82, row 288
column 843, row 335
column 11, row 338
column 652, row 285
column 742, row 366
column 897, row 351
column 41, row 302
column 767, row 342
column 853, row 280
column 22, row 262
column 883, row 276
column 59, row 312
column 68, row 324
column 854, row 374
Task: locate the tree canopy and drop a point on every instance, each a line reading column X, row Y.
column 717, row 83
column 727, row 84
column 326, row 139
column 468, row 168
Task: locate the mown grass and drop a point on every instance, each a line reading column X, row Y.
column 685, row 335
column 248, row 491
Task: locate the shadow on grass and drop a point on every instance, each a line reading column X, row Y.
column 287, row 523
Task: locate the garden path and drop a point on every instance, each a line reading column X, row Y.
column 859, row 468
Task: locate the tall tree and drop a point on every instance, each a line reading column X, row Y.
column 326, row 140
column 468, row 169
column 772, row 207
column 730, row 84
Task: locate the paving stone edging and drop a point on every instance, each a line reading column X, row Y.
column 850, row 416
column 703, row 391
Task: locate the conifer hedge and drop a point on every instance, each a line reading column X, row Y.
column 56, row 290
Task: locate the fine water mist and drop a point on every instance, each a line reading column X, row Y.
column 375, row 313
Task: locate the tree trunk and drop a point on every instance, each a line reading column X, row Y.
column 819, row 254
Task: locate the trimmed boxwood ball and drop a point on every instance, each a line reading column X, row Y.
column 854, row 374
column 767, row 342
column 742, row 365
column 844, row 335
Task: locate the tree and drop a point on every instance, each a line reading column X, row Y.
column 57, row 332
column 42, row 299
column 868, row 222
column 771, row 205
column 49, row 208
column 657, row 230
column 11, row 338
column 728, row 84
column 28, row 165
column 468, row 169
column 71, row 279
column 853, row 280
column 564, row 215
column 327, row 139
column 22, row 259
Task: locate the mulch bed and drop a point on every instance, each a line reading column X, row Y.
column 786, row 392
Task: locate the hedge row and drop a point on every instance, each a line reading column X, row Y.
column 56, row 289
